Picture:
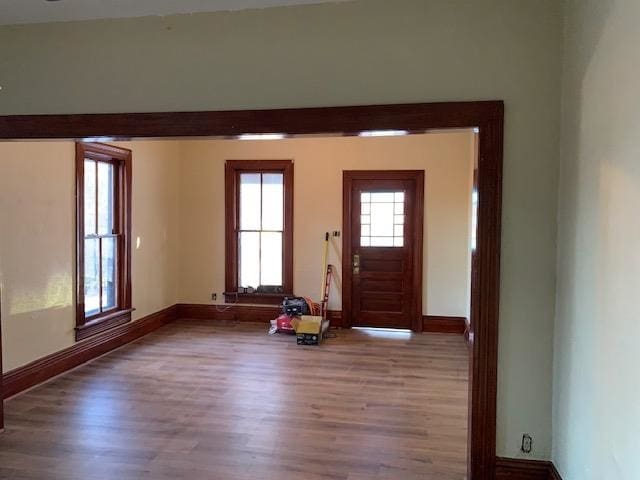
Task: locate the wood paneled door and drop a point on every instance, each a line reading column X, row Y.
column 383, row 215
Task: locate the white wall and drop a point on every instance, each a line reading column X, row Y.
column 596, row 398
column 37, row 242
column 361, row 52
column 318, row 165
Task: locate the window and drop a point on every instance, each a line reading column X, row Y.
column 382, row 219
column 259, row 230
column 103, row 219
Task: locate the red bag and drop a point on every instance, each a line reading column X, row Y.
column 283, row 323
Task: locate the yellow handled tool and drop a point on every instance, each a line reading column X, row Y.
column 325, row 257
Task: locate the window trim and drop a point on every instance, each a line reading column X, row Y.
column 121, row 157
column 233, row 168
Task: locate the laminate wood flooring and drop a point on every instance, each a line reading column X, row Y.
column 221, row 401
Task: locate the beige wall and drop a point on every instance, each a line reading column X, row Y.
column 37, row 188
column 318, row 166
column 154, row 267
column 179, row 187
column 37, row 242
column 361, row 52
column 596, row 390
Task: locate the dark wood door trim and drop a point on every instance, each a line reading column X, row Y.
column 487, row 116
column 348, row 176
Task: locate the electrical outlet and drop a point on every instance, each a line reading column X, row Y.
column 214, row 296
column 527, row 443
column 335, row 233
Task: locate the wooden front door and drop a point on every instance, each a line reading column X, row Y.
column 382, row 247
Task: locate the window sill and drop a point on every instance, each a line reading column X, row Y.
column 256, row 298
column 101, row 324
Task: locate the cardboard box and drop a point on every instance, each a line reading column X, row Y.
column 309, row 329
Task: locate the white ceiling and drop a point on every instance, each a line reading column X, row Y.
column 40, row 11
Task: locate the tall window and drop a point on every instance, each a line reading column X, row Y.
column 103, row 181
column 259, row 230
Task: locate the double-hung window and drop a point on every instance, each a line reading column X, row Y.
column 103, row 198
column 259, row 230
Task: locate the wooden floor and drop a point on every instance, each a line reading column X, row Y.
column 198, row 400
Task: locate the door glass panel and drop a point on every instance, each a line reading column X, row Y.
column 271, row 258
column 250, row 201
column 385, row 197
column 382, row 219
column 109, row 260
column 382, row 241
column 91, row 277
column 249, row 259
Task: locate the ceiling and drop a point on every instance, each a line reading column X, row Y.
column 41, row 11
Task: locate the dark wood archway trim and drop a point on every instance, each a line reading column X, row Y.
column 487, row 116
column 298, row 121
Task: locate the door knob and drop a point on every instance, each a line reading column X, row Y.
column 356, row 264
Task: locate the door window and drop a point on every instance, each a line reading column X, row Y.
column 382, row 219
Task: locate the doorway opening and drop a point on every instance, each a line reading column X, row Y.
column 486, row 116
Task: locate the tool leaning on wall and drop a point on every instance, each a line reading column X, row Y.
column 304, row 317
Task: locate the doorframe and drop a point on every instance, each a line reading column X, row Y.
column 487, row 116
column 348, row 176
